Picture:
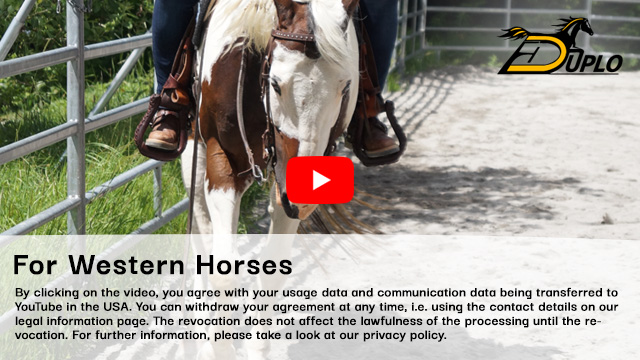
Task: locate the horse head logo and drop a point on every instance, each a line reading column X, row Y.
column 564, row 39
column 312, row 82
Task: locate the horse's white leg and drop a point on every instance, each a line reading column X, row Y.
column 278, row 247
column 224, row 207
column 224, row 202
column 201, row 218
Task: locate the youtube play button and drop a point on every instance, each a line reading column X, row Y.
column 320, row 180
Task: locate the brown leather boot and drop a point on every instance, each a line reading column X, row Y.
column 164, row 134
column 376, row 142
column 367, row 135
column 169, row 111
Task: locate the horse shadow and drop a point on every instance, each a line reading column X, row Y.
column 458, row 199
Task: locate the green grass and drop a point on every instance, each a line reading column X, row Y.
column 38, row 181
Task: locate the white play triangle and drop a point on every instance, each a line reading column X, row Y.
column 319, row 179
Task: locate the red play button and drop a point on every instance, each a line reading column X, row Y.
column 320, row 180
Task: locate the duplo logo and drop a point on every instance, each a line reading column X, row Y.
column 572, row 57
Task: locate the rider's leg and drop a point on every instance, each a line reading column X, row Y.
column 381, row 22
column 168, row 25
column 170, row 21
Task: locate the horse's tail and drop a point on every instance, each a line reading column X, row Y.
column 515, row 32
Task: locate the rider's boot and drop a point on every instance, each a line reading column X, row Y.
column 164, row 134
column 367, row 134
column 375, row 141
column 175, row 98
column 170, row 111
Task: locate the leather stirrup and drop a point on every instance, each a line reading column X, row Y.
column 175, row 96
column 370, row 104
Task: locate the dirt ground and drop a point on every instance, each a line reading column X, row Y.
column 526, row 155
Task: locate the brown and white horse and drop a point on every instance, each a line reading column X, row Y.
column 312, row 83
column 309, row 81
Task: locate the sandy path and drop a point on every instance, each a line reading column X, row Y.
column 527, row 155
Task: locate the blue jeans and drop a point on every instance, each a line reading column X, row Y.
column 169, row 23
column 381, row 21
column 171, row 18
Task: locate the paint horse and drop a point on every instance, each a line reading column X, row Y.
column 286, row 74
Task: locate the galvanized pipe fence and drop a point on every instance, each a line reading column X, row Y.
column 78, row 124
column 415, row 31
